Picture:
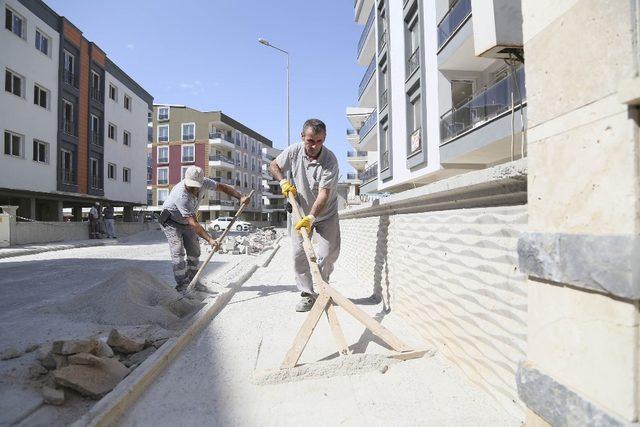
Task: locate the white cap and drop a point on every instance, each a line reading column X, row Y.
column 193, row 177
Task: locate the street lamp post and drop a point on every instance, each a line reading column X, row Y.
column 266, row 43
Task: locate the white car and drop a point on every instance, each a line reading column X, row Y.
column 223, row 222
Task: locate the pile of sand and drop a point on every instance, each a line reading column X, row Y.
column 129, row 297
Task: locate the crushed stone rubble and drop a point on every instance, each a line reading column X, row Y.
column 251, row 244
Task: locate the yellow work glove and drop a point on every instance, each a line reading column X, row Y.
column 288, row 187
column 306, row 222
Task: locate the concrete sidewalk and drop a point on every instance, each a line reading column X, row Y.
column 37, row 248
column 212, row 381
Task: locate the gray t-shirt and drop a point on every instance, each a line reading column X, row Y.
column 311, row 175
column 183, row 204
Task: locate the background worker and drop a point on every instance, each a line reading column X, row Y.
column 315, row 179
column 180, row 225
column 94, row 218
column 109, row 221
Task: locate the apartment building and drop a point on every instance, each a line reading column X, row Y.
column 54, row 119
column 228, row 151
column 443, row 91
column 273, row 202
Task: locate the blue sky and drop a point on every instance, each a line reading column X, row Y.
column 205, row 54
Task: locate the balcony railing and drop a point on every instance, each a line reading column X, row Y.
column 413, row 63
column 229, row 203
column 95, row 182
column 163, row 160
column 356, row 153
column 69, row 78
column 221, row 135
column 352, row 176
column 384, row 160
column 369, row 174
column 222, row 180
column 365, row 31
column 367, row 77
column 94, row 138
column 384, row 99
column 351, row 132
column 483, row 106
column 382, row 40
column 368, row 124
column 452, row 20
column 219, row 158
column 67, row 176
column 96, row 94
column 69, row 127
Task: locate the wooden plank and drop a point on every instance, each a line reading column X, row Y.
column 336, row 329
column 220, row 239
column 306, row 239
column 408, row 355
column 301, row 340
column 376, row 328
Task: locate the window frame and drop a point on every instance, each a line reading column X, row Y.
column 47, row 38
column 126, row 138
column 94, row 171
column 182, row 126
column 126, row 100
column 168, row 113
column 158, row 154
column 126, row 175
column 115, row 132
column 36, row 144
column 113, row 88
column 183, row 169
column 110, row 167
column 20, row 146
column 13, row 74
column 62, row 158
column 158, row 169
column 182, row 147
column 23, row 23
column 40, row 89
column 164, row 191
column 158, row 133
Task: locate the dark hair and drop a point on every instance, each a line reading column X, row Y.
column 316, row 125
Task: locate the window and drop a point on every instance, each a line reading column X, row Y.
column 162, row 196
column 95, row 90
column 414, row 118
column 126, row 138
column 13, row 83
column 163, row 113
column 163, row 133
column 188, row 131
column 69, row 75
column 94, row 131
column 246, row 180
column 40, row 96
column 163, row 176
column 183, row 170
column 237, row 179
column 13, row 144
column 112, row 132
column 126, row 175
column 113, row 92
column 246, row 162
column 68, row 126
column 42, row 42
column 111, row 171
column 127, row 102
column 67, row 166
column 253, row 182
column 40, row 151
column 163, row 155
column 14, row 23
column 94, row 172
column 188, row 153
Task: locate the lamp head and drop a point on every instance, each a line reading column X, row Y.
column 264, row 42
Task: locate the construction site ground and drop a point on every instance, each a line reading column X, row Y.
column 220, row 378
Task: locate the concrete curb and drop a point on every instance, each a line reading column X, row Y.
column 53, row 248
column 111, row 407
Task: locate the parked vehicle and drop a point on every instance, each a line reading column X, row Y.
column 223, row 222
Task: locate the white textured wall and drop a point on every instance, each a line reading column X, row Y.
column 133, row 157
column 453, row 276
column 20, row 115
column 45, row 232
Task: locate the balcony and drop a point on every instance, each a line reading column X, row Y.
column 226, row 203
column 384, row 161
column 219, row 139
column 384, row 99
column 357, row 159
column 482, row 107
column 95, row 182
column 221, row 180
column 369, row 174
column 69, row 78
column 382, row 40
column 96, row 94
column 455, row 17
column 221, row 162
column 365, row 86
column 67, row 176
column 366, row 46
column 69, row 127
column 369, row 124
column 352, row 178
column 413, row 63
column 94, row 138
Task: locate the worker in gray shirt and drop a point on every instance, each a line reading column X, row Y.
column 315, row 179
column 180, row 225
